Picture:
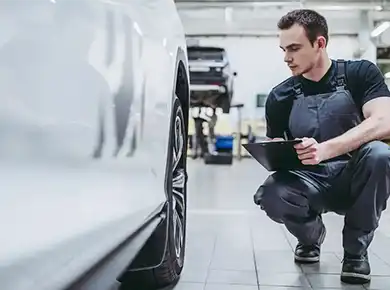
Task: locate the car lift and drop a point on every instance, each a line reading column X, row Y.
column 218, row 149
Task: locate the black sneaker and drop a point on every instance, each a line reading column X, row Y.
column 356, row 269
column 309, row 253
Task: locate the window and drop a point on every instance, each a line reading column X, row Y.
column 201, row 53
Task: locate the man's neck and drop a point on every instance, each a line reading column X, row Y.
column 319, row 70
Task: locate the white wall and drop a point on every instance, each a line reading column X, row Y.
column 257, row 20
column 259, row 64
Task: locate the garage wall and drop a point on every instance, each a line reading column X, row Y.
column 259, row 64
column 255, row 53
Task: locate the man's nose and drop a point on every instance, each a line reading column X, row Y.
column 287, row 58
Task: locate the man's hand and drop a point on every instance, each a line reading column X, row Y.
column 310, row 152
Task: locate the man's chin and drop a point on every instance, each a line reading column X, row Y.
column 295, row 73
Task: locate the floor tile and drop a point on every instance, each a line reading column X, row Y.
column 320, row 281
column 229, row 287
column 232, row 277
column 268, row 240
column 283, row 279
column 283, row 288
column 379, row 283
column 194, row 274
column 232, row 262
column 276, row 262
column 188, row 286
column 329, row 264
column 378, row 266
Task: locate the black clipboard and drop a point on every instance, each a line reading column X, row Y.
column 275, row 155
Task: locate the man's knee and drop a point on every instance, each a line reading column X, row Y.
column 372, row 177
column 375, row 155
column 270, row 199
column 280, row 200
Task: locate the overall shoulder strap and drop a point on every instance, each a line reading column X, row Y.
column 342, row 80
column 341, row 75
column 297, row 88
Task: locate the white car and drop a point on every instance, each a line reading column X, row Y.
column 93, row 140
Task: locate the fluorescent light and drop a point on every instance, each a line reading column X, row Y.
column 326, row 5
column 228, row 14
column 380, row 29
column 344, row 7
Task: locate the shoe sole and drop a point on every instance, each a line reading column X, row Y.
column 306, row 260
column 355, row 278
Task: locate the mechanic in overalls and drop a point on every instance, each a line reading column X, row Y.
column 341, row 111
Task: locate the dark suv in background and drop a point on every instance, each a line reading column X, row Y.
column 211, row 77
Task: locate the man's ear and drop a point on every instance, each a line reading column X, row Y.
column 321, row 42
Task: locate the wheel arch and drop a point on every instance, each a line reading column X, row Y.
column 182, row 86
column 181, row 89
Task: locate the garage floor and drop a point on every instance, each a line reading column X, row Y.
column 232, row 245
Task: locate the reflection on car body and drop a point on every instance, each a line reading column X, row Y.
column 94, row 117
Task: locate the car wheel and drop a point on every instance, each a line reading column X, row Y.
column 169, row 270
column 172, row 265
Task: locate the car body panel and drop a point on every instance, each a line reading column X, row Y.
column 86, row 89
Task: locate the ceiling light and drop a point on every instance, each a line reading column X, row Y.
column 380, row 29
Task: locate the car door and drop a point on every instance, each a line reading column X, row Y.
column 77, row 176
column 164, row 48
column 124, row 142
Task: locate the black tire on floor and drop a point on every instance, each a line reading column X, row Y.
column 168, row 272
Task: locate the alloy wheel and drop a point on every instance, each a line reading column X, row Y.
column 178, row 185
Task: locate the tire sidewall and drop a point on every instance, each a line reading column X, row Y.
column 177, row 264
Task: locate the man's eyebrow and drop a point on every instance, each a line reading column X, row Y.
column 290, row 46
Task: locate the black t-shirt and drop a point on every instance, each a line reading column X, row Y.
column 364, row 80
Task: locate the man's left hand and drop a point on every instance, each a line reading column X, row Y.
column 310, row 152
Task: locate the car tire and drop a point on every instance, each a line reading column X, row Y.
column 170, row 269
column 171, row 238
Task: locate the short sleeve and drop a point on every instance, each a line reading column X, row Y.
column 273, row 112
column 371, row 83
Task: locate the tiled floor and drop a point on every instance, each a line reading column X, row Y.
column 232, row 245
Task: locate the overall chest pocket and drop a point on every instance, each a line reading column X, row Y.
column 303, row 120
column 338, row 113
column 338, row 104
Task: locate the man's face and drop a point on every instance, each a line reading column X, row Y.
column 300, row 55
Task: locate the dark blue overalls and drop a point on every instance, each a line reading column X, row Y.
column 356, row 185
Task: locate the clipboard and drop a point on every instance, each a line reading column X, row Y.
column 275, row 155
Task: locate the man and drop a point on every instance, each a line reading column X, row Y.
column 200, row 116
column 341, row 111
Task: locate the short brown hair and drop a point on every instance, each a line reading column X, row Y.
column 314, row 23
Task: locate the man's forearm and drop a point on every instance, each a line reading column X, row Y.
column 370, row 129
